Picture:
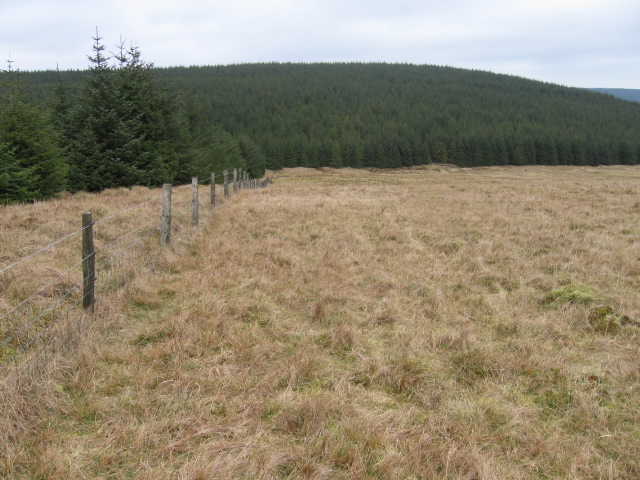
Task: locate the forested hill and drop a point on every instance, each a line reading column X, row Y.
column 390, row 115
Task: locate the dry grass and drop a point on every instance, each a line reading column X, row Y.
column 426, row 323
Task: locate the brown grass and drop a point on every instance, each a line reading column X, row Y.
column 424, row 323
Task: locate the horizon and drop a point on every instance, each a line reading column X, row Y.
column 87, row 68
column 584, row 44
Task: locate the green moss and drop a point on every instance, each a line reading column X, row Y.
column 574, row 292
column 605, row 320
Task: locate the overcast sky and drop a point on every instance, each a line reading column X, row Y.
column 582, row 43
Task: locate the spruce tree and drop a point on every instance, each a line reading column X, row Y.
column 32, row 166
column 17, row 183
column 253, row 156
column 123, row 130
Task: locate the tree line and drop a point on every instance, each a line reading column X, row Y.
column 135, row 124
column 393, row 115
column 113, row 126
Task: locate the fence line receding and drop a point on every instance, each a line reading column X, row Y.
column 45, row 320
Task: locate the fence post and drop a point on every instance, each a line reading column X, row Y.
column 194, row 201
column 235, row 180
column 226, row 183
column 213, row 189
column 88, row 262
column 165, row 233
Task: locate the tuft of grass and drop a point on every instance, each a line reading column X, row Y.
column 472, row 365
column 574, row 292
column 605, row 320
column 551, row 389
column 159, row 336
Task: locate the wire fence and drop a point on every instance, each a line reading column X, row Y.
column 51, row 318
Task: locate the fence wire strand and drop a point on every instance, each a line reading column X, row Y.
column 105, row 247
column 43, row 249
column 41, row 290
column 34, row 320
column 33, row 327
column 129, row 247
column 104, row 219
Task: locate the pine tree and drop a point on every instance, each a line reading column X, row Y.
column 17, row 183
column 253, row 156
column 439, row 152
column 124, row 130
column 32, row 166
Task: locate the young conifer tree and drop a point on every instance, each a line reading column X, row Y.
column 122, row 131
column 32, row 166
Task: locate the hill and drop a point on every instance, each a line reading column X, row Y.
column 392, row 115
column 632, row 95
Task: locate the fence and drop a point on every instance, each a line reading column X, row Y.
column 51, row 318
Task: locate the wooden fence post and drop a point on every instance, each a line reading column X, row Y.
column 213, row 189
column 88, row 262
column 226, row 183
column 165, row 232
column 194, row 201
column 235, row 180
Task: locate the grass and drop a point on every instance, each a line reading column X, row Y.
column 423, row 323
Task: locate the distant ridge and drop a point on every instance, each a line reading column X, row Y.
column 393, row 115
column 630, row 94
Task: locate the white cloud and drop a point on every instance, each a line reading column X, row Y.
column 581, row 42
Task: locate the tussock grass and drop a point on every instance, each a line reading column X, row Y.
column 422, row 323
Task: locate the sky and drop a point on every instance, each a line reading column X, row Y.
column 578, row 43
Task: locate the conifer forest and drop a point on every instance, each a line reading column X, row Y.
column 123, row 122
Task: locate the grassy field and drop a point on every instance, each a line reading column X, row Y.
column 427, row 323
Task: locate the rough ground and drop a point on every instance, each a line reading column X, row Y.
column 429, row 323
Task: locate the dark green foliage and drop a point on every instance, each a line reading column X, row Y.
column 380, row 115
column 254, row 158
column 217, row 151
column 17, row 183
column 123, row 130
column 402, row 115
column 31, row 163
